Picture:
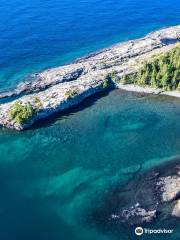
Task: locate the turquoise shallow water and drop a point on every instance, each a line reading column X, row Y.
column 53, row 177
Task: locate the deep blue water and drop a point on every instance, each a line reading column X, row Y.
column 53, row 176
column 38, row 34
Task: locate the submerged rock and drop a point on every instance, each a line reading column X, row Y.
column 149, row 196
column 137, row 215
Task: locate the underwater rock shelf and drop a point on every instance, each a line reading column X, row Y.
column 149, row 196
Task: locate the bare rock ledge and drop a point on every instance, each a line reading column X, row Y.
column 85, row 77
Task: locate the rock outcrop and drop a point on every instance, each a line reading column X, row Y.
column 148, row 196
column 53, row 87
column 176, row 209
column 170, row 187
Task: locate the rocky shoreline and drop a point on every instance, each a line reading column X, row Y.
column 58, row 89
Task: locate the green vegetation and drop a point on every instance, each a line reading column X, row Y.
column 108, row 78
column 71, row 93
column 160, row 72
column 112, row 76
column 105, row 83
column 37, row 103
column 21, row 113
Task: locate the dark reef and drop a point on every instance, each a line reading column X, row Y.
column 146, row 199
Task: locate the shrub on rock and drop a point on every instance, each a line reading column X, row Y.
column 21, row 113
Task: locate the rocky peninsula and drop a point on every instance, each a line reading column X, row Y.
column 58, row 89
